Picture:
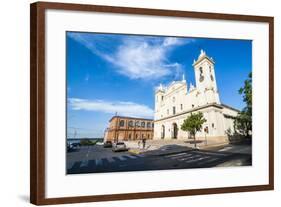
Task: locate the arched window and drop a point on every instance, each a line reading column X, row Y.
column 122, row 123
column 201, row 78
column 131, row 123
column 148, row 125
column 137, row 124
column 143, row 124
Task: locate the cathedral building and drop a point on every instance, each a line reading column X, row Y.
column 175, row 102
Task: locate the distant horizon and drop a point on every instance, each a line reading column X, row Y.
column 109, row 73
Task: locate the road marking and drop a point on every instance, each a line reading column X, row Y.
column 132, row 156
column 116, row 158
column 98, row 162
column 176, row 155
column 193, row 159
column 70, row 165
column 211, row 153
column 122, row 158
column 104, row 161
column 88, row 151
column 186, row 157
column 92, row 164
column 208, row 161
column 202, row 158
column 84, row 163
column 76, row 165
column 110, row 159
column 190, row 161
column 225, row 149
column 140, row 155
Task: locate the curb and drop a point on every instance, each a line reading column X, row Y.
column 214, row 145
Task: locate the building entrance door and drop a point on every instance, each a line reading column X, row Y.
column 162, row 132
column 175, row 131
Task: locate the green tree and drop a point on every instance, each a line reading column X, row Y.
column 243, row 121
column 193, row 124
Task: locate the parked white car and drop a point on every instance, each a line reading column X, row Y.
column 119, row 146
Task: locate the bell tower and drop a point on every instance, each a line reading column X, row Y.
column 207, row 91
column 159, row 101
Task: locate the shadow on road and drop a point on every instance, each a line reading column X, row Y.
column 165, row 158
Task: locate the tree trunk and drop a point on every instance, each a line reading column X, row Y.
column 195, row 144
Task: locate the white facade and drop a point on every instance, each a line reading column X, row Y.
column 175, row 102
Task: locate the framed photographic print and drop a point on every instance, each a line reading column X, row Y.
column 130, row 103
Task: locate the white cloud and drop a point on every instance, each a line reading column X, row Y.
column 146, row 59
column 122, row 108
column 141, row 61
column 138, row 57
column 172, row 41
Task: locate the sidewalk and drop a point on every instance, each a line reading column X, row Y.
column 156, row 145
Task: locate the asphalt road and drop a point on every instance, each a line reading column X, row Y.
column 96, row 159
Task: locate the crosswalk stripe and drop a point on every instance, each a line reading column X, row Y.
column 140, row 155
column 122, row 158
column 110, row 159
column 176, row 155
column 185, row 157
column 84, row 163
column 92, row 164
column 104, row 161
column 211, row 153
column 194, row 158
column 70, row 165
column 98, row 162
column 197, row 160
column 208, row 161
column 76, row 165
column 190, row 161
column 202, row 158
column 132, row 156
column 116, row 158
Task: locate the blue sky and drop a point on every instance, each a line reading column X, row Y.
column 109, row 73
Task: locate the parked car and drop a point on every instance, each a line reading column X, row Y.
column 73, row 147
column 119, row 146
column 76, row 145
column 107, row 144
